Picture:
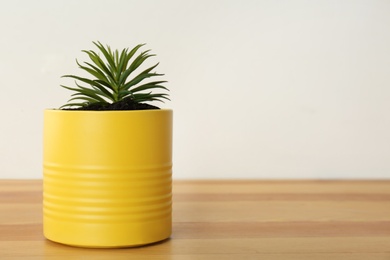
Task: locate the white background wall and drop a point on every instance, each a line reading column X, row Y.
column 260, row 89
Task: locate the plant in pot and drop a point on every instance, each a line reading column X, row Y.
column 107, row 155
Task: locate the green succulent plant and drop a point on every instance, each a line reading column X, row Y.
column 115, row 78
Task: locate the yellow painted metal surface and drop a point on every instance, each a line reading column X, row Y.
column 107, row 177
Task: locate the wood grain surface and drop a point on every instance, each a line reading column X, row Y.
column 315, row 220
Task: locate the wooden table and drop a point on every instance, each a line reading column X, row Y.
column 228, row 220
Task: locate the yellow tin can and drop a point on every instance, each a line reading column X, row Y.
column 107, row 177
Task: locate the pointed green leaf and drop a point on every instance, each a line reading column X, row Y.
column 107, row 54
column 93, row 83
column 141, row 76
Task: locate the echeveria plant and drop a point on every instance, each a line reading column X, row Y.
column 115, row 78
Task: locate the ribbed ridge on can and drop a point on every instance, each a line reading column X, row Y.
column 94, row 194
